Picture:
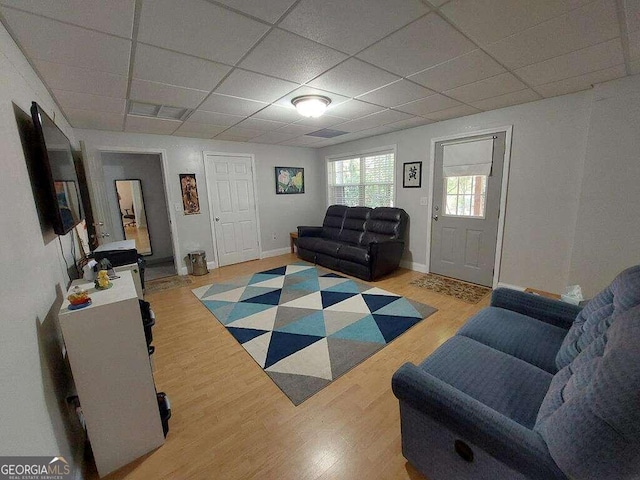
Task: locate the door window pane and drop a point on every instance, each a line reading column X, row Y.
column 465, row 196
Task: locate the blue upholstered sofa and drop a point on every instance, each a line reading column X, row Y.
column 530, row 388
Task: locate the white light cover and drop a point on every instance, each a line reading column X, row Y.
column 311, row 105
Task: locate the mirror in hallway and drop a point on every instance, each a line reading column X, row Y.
column 133, row 215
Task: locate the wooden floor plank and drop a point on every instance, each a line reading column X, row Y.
column 230, row 421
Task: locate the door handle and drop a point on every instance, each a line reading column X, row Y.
column 98, row 224
column 435, row 217
column 217, row 219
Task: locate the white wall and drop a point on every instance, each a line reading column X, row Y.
column 147, row 169
column 33, row 414
column 547, row 157
column 607, row 235
column 279, row 214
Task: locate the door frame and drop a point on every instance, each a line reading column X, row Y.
column 207, row 172
column 96, row 158
column 508, row 130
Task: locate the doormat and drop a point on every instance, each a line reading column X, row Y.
column 167, row 283
column 306, row 326
column 467, row 292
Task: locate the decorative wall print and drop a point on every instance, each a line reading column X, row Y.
column 189, row 193
column 412, row 177
column 289, row 180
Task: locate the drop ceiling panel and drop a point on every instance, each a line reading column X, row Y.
column 352, row 78
column 501, row 101
column 487, row 88
column 199, row 28
column 321, row 122
column 458, row 71
column 409, row 123
column 423, row 43
column 353, row 109
column 582, row 82
column 288, row 56
column 163, row 94
column 159, row 65
column 213, row 118
column 634, row 45
column 240, row 132
column 305, row 90
column 114, row 16
column 301, row 141
column 255, row 86
column 429, row 104
column 270, row 10
column 259, row 124
column 84, row 101
column 279, row 114
column 460, row 111
column 273, row 137
column 488, row 21
column 589, row 25
column 371, row 121
column 331, row 22
column 231, row 105
column 297, row 129
column 63, row 77
column 94, row 120
column 151, row 125
column 52, row 41
column 198, row 130
column 397, row 93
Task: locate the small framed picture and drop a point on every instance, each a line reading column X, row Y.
column 412, row 175
column 289, row 180
column 189, row 188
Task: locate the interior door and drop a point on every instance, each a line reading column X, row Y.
column 465, row 212
column 233, row 208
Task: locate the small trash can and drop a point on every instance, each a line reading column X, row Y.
column 198, row 261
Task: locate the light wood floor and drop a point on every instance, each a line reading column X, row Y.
column 230, row 421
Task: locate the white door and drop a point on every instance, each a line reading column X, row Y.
column 233, row 208
column 466, row 207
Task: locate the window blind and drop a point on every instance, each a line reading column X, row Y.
column 365, row 180
column 467, row 158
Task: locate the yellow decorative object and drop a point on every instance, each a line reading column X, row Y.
column 102, row 280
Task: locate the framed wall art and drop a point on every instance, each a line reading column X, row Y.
column 189, row 188
column 412, row 175
column 289, row 180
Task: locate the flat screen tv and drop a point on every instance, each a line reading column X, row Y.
column 61, row 180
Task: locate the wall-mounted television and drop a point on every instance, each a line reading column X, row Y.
column 58, row 168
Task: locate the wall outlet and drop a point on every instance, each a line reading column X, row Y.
column 273, row 236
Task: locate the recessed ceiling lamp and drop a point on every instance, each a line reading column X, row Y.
column 311, row 105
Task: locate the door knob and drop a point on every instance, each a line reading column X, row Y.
column 435, row 217
column 217, row 219
column 99, row 224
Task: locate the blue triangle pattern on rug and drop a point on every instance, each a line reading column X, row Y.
column 284, row 344
column 288, row 336
column 310, row 325
column 376, row 302
column 243, row 335
column 331, row 298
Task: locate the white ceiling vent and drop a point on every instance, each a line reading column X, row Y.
column 158, row 111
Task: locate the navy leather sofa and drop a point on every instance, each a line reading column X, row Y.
column 361, row 241
column 530, row 388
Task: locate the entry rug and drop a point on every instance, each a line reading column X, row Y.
column 306, row 326
column 466, row 292
column 167, row 283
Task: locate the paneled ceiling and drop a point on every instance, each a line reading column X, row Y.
column 231, row 67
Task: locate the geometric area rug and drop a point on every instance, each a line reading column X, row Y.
column 306, row 326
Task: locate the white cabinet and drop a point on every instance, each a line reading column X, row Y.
column 134, row 268
column 109, row 361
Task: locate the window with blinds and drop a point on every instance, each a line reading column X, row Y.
column 363, row 180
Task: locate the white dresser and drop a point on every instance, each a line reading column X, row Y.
column 109, row 361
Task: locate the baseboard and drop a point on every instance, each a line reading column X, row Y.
column 416, row 267
column 512, row 287
column 275, row 253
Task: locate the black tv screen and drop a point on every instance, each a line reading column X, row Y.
column 60, row 170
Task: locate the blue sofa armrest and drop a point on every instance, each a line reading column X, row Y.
column 511, row 443
column 555, row 312
column 309, row 231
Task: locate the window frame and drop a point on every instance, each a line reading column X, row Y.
column 361, row 154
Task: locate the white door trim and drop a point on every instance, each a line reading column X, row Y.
column 167, row 189
column 508, row 130
column 254, row 175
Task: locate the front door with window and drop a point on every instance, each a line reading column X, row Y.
column 465, row 212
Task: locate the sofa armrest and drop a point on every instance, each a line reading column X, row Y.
column 385, row 256
column 555, row 312
column 511, row 443
column 309, row 231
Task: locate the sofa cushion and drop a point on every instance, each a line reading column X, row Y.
column 524, row 337
column 597, row 316
column 319, row 245
column 500, row 381
column 332, row 224
column 384, row 223
column 590, row 418
column 353, row 225
column 354, row 254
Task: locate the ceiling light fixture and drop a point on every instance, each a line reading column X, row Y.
column 311, row 105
